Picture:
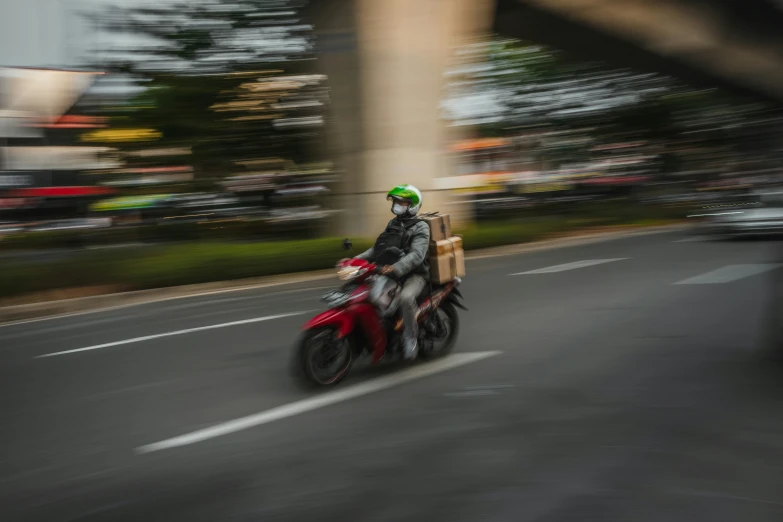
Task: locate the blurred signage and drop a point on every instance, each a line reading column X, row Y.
column 533, row 188
column 154, row 153
column 18, row 203
column 59, row 192
column 616, row 180
column 151, row 180
column 253, row 182
column 158, row 170
column 129, row 202
column 42, row 94
column 58, row 158
column 70, row 121
column 16, row 180
column 121, row 135
column 479, row 144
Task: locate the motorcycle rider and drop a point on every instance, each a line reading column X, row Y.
column 412, row 236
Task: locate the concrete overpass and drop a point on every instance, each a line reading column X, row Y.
column 734, row 44
column 386, row 61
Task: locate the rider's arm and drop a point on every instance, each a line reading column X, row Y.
column 420, row 244
column 367, row 254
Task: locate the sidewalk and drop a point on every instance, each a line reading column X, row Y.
column 50, row 309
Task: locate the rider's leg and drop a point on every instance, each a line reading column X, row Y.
column 410, row 291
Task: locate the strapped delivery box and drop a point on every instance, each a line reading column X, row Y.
column 446, row 256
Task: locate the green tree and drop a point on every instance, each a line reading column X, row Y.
column 228, row 80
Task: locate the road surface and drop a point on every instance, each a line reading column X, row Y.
column 618, row 380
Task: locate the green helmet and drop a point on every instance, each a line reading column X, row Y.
column 407, row 193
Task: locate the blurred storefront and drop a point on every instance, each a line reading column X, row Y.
column 40, row 167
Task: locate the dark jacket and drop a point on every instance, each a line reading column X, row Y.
column 417, row 244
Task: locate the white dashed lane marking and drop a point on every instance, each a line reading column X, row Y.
column 321, row 401
column 694, row 239
column 570, row 266
column 168, row 334
column 729, row 273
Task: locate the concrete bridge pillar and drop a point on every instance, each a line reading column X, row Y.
column 386, row 61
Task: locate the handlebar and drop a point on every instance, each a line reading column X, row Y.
column 358, row 263
column 370, row 268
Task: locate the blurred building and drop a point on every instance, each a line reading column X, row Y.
column 41, row 163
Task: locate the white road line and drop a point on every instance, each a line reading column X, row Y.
column 570, row 266
column 165, row 309
column 729, row 273
column 694, row 239
column 321, row 401
column 168, row 334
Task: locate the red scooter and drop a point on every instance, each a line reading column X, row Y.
column 362, row 318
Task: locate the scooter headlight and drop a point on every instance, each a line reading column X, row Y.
column 347, row 273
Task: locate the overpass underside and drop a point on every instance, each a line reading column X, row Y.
column 386, row 61
column 733, row 44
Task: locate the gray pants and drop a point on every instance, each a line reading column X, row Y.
column 413, row 286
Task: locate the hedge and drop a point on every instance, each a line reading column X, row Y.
column 200, row 262
column 171, row 265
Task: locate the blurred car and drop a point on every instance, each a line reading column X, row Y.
column 763, row 215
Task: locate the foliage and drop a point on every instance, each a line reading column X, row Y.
column 172, row 264
column 507, row 87
column 228, row 80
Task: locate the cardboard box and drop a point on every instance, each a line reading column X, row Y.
column 447, row 224
column 440, row 226
column 447, row 259
column 442, row 268
column 446, row 246
column 446, row 267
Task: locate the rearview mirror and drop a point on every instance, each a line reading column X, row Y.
column 347, row 245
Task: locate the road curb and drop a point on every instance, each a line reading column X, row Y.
column 52, row 309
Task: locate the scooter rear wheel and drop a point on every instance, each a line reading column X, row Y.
column 321, row 358
column 440, row 332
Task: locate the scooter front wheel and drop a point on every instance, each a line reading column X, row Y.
column 321, row 358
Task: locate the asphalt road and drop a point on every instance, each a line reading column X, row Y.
column 628, row 386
